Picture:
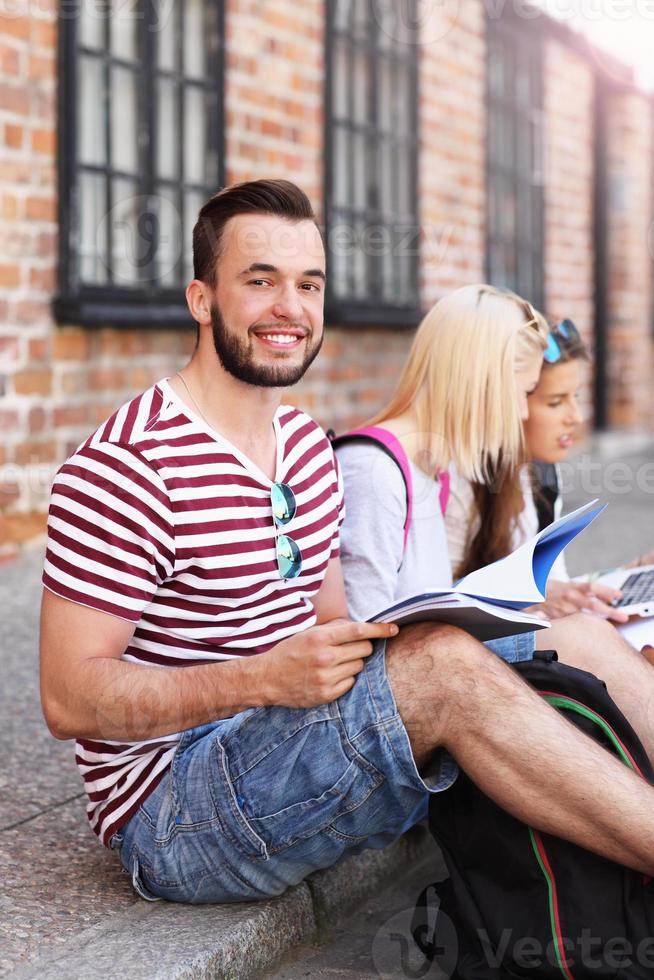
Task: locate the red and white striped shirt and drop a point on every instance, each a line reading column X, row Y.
column 160, row 521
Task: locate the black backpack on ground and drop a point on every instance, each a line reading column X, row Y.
column 519, row 903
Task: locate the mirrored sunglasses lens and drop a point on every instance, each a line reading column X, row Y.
column 289, row 557
column 283, row 503
column 552, row 352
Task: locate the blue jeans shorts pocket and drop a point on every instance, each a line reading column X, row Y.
column 138, row 883
column 287, row 775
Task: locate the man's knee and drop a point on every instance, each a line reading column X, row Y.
column 429, row 660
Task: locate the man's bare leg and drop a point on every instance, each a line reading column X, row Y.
column 452, row 692
column 595, row 645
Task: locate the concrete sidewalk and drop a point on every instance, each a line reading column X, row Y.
column 67, row 908
column 69, row 911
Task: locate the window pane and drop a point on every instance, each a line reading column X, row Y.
column 341, row 188
column 404, row 181
column 166, row 36
column 360, row 18
column 385, row 94
column 170, row 236
column 92, row 19
column 340, row 81
column 92, row 225
column 192, row 204
column 495, row 70
column 167, row 130
column 360, row 72
column 386, row 22
column 91, row 112
column 195, row 136
column 402, row 85
column 342, row 14
column 360, row 175
column 133, row 234
column 385, row 158
column 194, row 38
column 359, row 282
column 340, row 256
column 124, row 20
column 508, row 157
column 124, row 114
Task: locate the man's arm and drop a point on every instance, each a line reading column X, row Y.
column 87, row 691
column 330, row 601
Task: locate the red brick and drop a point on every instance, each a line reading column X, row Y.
column 9, row 494
column 44, row 32
column 15, row 98
column 70, row 344
column 32, row 452
column 43, row 279
column 14, row 135
column 9, row 207
column 9, row 60
column 41, row 208
column 67, row 415
column 33, row 382
column 105, row 378
column 41, row 67
column 9, row 348
column 9, row 275
column 14, row 26
column 36, row 419
column 8, row 420
column 44, row 141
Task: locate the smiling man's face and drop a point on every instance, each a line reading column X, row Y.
column 267, row 309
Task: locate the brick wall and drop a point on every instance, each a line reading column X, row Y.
column 453, row 136
column 58, row 383
column 568, row 144
column 27, row 266
column 631, row 244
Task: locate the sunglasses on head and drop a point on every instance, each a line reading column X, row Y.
column 288, row 554
column 564, row 331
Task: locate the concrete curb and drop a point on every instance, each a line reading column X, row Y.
column 164, row 941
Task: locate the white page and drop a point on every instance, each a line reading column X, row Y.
column 480, row 619
column 638, row 632
column 511, row 580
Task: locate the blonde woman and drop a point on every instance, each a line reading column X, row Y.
column 461, row 398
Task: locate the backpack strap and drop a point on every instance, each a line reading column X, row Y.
column 444, row 492
column 393, row 448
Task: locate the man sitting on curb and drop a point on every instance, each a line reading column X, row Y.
column 234, row 730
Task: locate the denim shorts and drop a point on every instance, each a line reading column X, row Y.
column 252, row 804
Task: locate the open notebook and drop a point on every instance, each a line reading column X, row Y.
column 488, row 602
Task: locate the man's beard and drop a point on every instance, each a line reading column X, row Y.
column 236, row 356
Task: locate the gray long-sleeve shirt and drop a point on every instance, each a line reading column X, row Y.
column 375, row 570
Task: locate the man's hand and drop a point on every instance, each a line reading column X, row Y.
column 566, row 598
column 318, row 665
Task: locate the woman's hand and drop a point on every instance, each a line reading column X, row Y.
column 646, row 559
column 566, row 598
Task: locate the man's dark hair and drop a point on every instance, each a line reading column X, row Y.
column 277, row 197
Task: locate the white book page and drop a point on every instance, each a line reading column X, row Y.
column 520, row 578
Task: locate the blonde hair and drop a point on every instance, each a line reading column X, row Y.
column 459, row 380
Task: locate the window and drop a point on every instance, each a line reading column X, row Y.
column 140, row 127
column 371, row 139
column 514, row 246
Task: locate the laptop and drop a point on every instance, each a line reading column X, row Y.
column 637, row 587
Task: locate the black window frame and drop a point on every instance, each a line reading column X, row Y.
column 524, row 37
column 371, row 311
column 108, row 304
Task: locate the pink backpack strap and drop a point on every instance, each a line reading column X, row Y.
column 444, row 493
column 393, row 448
